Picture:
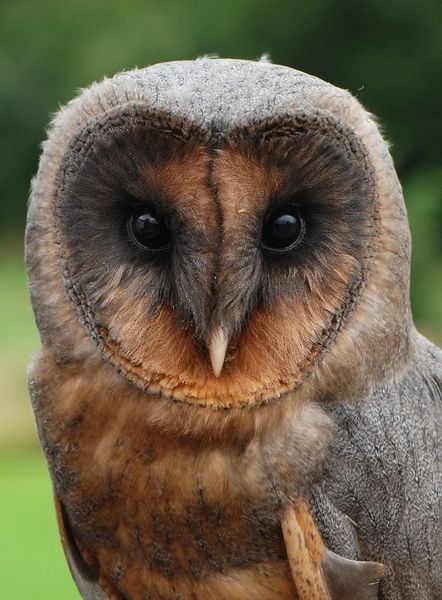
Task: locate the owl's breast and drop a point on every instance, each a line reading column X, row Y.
column 172, row 529
column 159, row 514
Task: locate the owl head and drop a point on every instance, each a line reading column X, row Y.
column 224, row 233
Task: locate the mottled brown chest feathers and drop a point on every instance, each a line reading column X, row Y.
column 159, row 513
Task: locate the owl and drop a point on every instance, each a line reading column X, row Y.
column 231, row 396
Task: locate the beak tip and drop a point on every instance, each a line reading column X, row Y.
column 216, row 372
column 218, row 348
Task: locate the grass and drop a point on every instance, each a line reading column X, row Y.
column 32, row 563
column 18, row 339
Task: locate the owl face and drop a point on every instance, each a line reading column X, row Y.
column 214, row 267
column 216, row 250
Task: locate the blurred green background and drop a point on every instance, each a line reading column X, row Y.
column 387, row 53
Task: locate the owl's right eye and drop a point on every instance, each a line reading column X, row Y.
column 148, row 230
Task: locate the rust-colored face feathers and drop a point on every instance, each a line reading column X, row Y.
column 224, row 307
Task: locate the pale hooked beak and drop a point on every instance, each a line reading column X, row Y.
column 217, row 350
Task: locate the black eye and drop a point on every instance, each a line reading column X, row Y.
column 283, row 229
column 149, row 230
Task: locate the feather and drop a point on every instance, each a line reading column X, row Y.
column 81, row 572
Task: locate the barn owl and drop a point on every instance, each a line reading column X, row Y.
column 231, row 395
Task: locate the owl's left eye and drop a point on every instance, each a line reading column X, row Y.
column 283, row 229
column 149, row 230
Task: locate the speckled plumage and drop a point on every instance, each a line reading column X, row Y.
column 171, row 483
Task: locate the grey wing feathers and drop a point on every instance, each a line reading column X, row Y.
column 385, row 474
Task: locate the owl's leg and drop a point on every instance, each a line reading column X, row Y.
column 318, row 573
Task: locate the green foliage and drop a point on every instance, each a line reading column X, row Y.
column 424, row 200
column 386, row 53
